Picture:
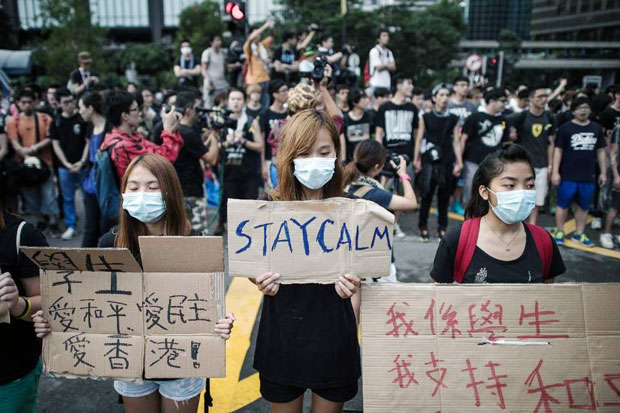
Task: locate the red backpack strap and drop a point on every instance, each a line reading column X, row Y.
column 542, row 239
column 466, row 248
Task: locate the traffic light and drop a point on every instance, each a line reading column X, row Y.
column 236, row 9
column 492, row 69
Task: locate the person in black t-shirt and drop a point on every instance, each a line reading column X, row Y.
column 186, row 68
column 188, row 163
column 505, row 250
column 270, row 118
column 285, row 64
column 482, row 134
column 610, row 117
column 381, row 96
column 70, row 142
column 578, row 145
column 356, row 124
column 307, row 337
column 397, row 120
column 241, row 156
column 20, row 295
column 534, row 128
column 437, row 159
column 82, row 78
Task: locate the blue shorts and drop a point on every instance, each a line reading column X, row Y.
column 177, row 390
column 582, row 192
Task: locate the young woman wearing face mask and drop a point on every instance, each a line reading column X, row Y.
column 307, row 338
column 152, row 204
column 494, row 245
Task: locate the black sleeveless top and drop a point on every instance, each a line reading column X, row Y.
column 308, row 337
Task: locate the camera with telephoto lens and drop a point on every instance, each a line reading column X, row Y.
column 217, row 118
column 177, row 109
column 394, row 157
column 319, row 68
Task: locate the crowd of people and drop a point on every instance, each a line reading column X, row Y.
column 287, row 123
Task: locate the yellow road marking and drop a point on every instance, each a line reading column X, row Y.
column 451, row 215
column 230, row 394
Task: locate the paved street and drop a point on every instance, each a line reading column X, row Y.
column 413, row 260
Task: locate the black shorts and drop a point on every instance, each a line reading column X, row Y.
column 284, row 393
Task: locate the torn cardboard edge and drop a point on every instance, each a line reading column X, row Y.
column 309, row 241
column 582, row 359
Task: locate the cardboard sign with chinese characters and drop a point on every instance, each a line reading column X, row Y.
column 109, row 318
column 422, row 351
column 309, row 241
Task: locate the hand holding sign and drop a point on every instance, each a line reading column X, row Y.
column 268, row 283
column 347, row 285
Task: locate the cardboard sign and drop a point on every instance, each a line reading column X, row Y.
column 309, row 241
column 5, row 316
column 548, row 348
column 110, row 319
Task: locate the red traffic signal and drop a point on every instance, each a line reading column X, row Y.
column 494, row 60
column 235, row 9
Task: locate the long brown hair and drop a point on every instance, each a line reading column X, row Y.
column 175, row 222
column 367, row 154
column 298, row 136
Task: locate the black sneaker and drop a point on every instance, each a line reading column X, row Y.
column 441, row 234
column 425, row 235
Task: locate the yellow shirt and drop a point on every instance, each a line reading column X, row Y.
column 256, row 67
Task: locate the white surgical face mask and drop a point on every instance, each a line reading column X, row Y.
column 314, row 173
column 147, row 207
column 186, row 51
column 514, row 206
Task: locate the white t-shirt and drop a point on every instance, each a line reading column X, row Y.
column 216, row 67
column 380, row 56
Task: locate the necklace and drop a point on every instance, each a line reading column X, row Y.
column 500, row 238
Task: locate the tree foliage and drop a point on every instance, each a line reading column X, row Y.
column 199, row 23
column 424, row 42
column 66, row 31
column 149, row 58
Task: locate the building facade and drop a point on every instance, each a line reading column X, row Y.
column 575, row 20
column 486, row 18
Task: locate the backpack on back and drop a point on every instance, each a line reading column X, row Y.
column 467, row 246
column 106, row 184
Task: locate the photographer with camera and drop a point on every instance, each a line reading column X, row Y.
column 241, row 146
column 285, row 60
column 369, row 160
column 437, row 157
column 188, row 164
column 381, row 62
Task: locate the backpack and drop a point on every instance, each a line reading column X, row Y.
column 367, row 73
column 106, row 184
column 467, row 246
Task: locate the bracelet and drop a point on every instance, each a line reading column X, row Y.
column 405, row 177
column 26, row 308
column 26, row 315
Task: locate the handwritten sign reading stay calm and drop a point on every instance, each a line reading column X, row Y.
column 309, row 241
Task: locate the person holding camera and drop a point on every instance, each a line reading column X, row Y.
column 241, row 146
column 122, row 111
column 369, row 159
column 437, row 157
column 188, row 164
column 82, row 78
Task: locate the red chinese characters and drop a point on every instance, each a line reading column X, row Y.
column 400, row 325
column 404, row 376
column 486, row 319
column 538, row 322
column 448, row 316
column 495, row 385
